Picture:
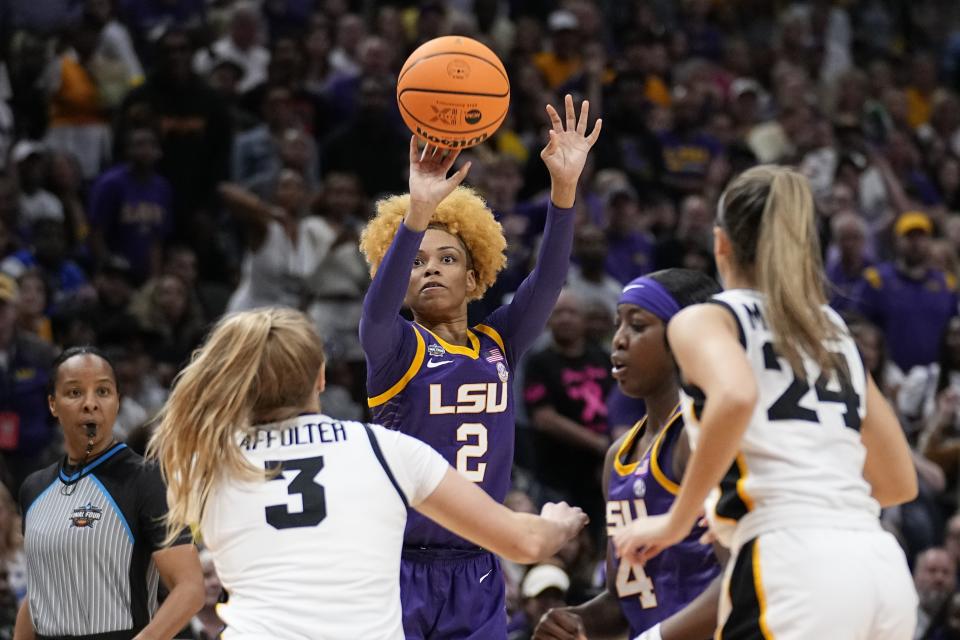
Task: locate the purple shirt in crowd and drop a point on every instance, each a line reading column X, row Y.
column 133, row 215
column 458, row 399
column 629, row 256
column 912, row 313
column 843, row 286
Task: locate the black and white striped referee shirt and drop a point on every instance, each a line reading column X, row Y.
column 89, row 537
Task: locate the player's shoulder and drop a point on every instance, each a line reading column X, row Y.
column 715, row 312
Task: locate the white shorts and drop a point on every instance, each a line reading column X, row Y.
column 803, row 584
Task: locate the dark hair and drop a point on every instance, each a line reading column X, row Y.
column 687, row 286
column 66, row 354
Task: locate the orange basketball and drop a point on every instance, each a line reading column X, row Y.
column 453, row 92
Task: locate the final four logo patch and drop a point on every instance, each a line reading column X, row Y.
column 86, row 516
column 502, row 372
column 435, row 350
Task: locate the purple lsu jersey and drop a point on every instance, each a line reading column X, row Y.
column 459, row 400
column 667, row 583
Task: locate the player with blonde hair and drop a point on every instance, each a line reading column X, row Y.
column 303, row 513
column 447, row 383
column 786, row 424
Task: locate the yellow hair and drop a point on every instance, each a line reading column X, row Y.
column 463, row 213
column 255, row 367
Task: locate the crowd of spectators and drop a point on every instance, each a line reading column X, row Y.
column 165, row 161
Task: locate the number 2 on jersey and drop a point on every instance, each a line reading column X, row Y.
column 466, row 453
column 787, row 406
column 304, row 484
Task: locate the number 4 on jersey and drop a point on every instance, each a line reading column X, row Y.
column 632, row 580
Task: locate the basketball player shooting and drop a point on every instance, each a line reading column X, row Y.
column 448, row 384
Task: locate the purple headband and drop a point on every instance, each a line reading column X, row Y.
column 649, row 294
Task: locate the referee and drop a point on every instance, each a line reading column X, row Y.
column 94, row 526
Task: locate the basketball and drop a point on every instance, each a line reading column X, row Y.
column 453, row 92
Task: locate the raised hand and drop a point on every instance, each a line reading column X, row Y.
column 566, row 152
column 429, row 183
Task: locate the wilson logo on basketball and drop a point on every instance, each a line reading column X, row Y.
column 86, row 516
column 458, row 69
column 473, row 116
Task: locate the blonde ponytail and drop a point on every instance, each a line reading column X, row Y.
column 769, row 213
column 255, row 367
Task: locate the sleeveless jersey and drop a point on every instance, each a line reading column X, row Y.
column 800, row 462
column 459, row 400
column 668, row 582
column 314, row 552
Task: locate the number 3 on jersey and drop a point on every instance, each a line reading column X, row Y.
column 313, row 497
column 468, row 468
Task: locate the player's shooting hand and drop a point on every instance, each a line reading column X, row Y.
column 429, row 183
column 566, row 152
column 644, row 538
column 559, row 624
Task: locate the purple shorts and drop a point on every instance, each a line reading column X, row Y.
column 448, row 594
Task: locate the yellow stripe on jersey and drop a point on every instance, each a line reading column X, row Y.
column 761, row 596
column 401, row 384
column 741, row 489
column 473, row 351
column 492, row 333
column 624, row 469
column 625, row 446
column 655, row 469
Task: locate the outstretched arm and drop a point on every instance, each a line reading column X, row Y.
column 520, row 537
column 250, row 209
column 381, row 327
column 565, row 155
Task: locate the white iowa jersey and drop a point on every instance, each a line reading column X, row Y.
column 801, row 460
column 315, row 552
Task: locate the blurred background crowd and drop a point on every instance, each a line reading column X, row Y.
column 144, row 142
